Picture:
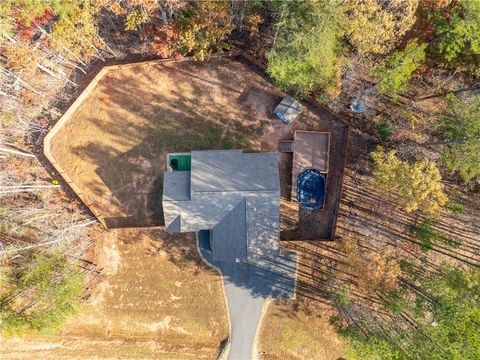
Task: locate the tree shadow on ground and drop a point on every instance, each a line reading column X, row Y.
column 178, row 124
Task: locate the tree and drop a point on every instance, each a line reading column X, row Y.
column 20, row 57
column 376, row 26
column 6, row 21
column 375, row 271
column 395, row 76
column 163, row 38
column 28, row 11
column 452, row 306
column 306, row 55
column 415, row 186
column 204, row 29
column 459, row 30
column 462, row 127
column 50, row 286
column 76, row 28
column 443, row 321
column 135, row 18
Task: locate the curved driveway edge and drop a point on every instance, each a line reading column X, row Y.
column 247, row 287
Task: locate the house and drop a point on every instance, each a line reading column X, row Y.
column 231, row 198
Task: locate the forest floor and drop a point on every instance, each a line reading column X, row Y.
column 156, row 299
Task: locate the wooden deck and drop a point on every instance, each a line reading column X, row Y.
column 310, row 151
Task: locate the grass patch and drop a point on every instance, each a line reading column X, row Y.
column 341, row 294
column 299, row 334
column 7, row 119
column 454, row 207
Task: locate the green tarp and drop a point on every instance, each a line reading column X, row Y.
column 180, row 162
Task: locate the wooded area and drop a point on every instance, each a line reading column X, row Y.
column 404, row 274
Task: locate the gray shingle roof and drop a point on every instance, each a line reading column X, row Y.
column 234, row 194
column 176, row 186
column 233, row 170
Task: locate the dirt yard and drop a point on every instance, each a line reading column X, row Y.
column 299, row 333
column 157, row 300
column 114, row 146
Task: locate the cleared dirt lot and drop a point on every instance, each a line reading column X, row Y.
column 114, row 146
column 157, row 300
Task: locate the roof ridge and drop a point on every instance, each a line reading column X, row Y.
column 244, row 199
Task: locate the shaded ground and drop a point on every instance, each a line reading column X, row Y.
column 247, row 286
column 114, row 146
column 157, row 300
column 302, row 325
column 367, row 215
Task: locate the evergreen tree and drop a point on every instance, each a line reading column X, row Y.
column 459, row 31
column 444, row 321
column 307, row 53
column 395, row 76
column 462, row 127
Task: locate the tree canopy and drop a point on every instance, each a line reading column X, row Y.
column 50, row 285
column 307, row 51
column 204, row 29
column 462, row 127
column 416, row 186
column 395, row 76
column 376, row 26
column 459, row 30
column 443, row 307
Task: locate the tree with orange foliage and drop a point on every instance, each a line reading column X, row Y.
column 205, row 28
column 374, row 270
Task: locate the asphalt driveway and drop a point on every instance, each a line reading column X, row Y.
column 247, row 286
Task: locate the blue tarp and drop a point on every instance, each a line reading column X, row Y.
column 311, row 189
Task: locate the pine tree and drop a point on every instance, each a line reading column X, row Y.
column 395, row 76
column 462, row 127
column 306, row 55
column 459, row 31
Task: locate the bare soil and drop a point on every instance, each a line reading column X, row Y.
column 114, row 146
